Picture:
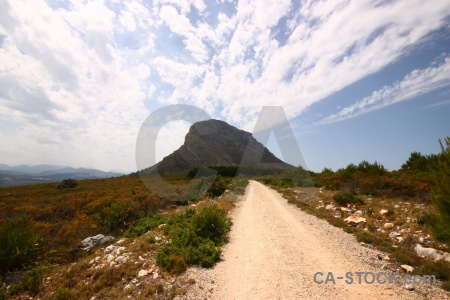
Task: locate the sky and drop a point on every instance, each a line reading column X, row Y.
column 358, row 80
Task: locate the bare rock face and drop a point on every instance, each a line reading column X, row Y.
column 216, row 143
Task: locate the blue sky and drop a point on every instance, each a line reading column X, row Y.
column 357, row 79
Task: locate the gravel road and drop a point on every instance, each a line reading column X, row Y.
column 275, row 249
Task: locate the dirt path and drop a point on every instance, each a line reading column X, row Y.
column 275, row 249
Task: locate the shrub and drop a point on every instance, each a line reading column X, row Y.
column 143, row 225
column 389, row 213
column 32, row 281
column 17, row 244
column 211, row 223
column 365, row 237
column 441, row 195
column 218, row 187
column 446, row 286
column 406, row 256
column 204, row 255
column 113, row 215
column 195, row 239
column 170, row 258
column 440, row 269
column 346, row 198
column 68, row 184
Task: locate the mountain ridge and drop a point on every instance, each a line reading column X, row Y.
column 216, row 143
column 29, row 174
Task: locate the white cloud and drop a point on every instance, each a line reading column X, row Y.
column 78, row 80
column 416, row 83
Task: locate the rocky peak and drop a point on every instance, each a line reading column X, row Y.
column 216, row 143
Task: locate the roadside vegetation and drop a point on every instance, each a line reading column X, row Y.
column 401, row 208
column 42, row 225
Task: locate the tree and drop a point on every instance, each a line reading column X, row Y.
column 420, row 163
column 68, row 184
column 441, row 194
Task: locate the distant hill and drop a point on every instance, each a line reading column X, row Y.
column 216, row 143
column 29, row 174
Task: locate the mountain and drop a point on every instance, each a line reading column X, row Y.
column 216, row 143
column 29, row 174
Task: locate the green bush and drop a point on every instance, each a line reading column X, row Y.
column 170, row 258
column 68, row 184
column 441, row 195
column 17, row 244
column 113, row 215
column 346, row 198
column 365, row 237
column 446, row 286
column 440, row 269
column 389, row 213
column 32, row 281
column 218, row 187
column 406, row 256
column 212, row 223
column 143, row 225
column 195, row 239
column 204, row 255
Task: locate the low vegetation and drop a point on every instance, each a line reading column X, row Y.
column 195, row 239
column 42, row 225
column 414, row 199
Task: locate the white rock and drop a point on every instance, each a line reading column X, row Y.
column 142, row 273
column 329, row 207
column 407, row 268
column 162, row 225
column 409, row 287
column 432, row 253
column 114, row 249
column 155, row 275
column 359, row 213
column 355, row 220
column 96, row 240
column 394, row 234
column 108, row 258
column 399, row 239
column 388, row 225
column 121, row 259
column 383, row 211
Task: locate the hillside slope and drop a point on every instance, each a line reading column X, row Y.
column 216, row 143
